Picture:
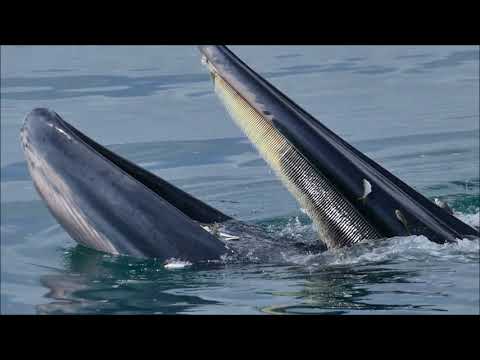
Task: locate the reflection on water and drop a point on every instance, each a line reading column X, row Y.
column 92, row 282
column 344, row 290
column 84, row 85
column 370, row 278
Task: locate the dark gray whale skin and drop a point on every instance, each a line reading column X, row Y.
column 108, row 203
column 393, row 208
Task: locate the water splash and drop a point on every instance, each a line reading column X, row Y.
column 173, row 264
column 396, row 249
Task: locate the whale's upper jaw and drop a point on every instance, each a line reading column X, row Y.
column 347, row 195
column 107, row 203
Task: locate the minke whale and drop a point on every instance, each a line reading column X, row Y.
column 348, row 196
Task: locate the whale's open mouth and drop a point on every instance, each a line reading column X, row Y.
column 338, row 222
column 348, row 196
column 110, row 204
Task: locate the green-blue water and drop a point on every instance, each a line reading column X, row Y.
column 415, row 110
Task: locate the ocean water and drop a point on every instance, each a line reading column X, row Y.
column 415, row 110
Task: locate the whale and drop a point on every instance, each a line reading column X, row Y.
column 107, row 203
column 348, row 196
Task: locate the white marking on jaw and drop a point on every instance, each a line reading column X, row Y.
column 367, row 189
column 216, row 232
column 443, row 205
column 63, row 132
column 228, row 236
column 212, row 229
column 402, row 219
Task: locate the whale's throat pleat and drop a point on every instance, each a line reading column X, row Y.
column 337, row 221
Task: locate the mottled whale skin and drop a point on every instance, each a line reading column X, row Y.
column 108, row 203
column 348, row 195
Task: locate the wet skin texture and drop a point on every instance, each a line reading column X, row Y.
column 112, row 205
column 393, row 207
column 108, row 203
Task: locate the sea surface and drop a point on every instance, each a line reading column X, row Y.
column 414, row 110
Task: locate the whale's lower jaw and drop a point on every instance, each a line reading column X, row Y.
column 109, row 204
column 338, row 222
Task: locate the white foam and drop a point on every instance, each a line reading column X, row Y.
column 410, row 248
column 296, row 229
column 176, row 264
